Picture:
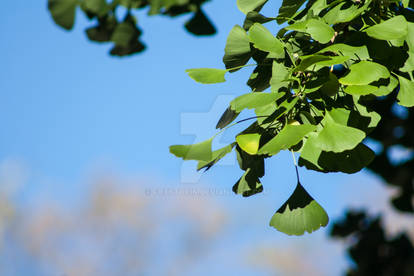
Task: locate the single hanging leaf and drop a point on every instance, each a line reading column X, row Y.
column 207, row 75
column 289, row 136
column 248, row 185
column 338, row 137
column 216, row 156
column 263, row 39
column 300, row 214
column 365, row 72
column 199, row 152
column 390, row 29
column 253, row 100
column 249, row 142
column 237, row 51
column 409, row 63
column 406, row 95
column 246, row 6
column 63, row 12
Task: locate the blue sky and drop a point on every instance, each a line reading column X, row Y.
column 67, row 108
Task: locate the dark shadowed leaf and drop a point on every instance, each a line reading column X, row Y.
column 248, row 185
column 228, row 116
column 199, row 24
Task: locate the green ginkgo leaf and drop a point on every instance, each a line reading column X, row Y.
column 207, row 75
column 253, row 100
column 406, row 95
column 289, row 136
column 263, row 39
column 249, row 142
column 365, row 72
column 338, row 137
column 63, row 12
column 300, row 214
column 249, row 184
column 200, row 151
column 237, row 50
column 246, row 6
column 390, row 29
column 215, row 157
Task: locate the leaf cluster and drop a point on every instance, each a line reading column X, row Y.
column 311, row 90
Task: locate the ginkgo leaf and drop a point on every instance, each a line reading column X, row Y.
column 406, row 95
column 338, row 137
column 299, row 214
column 246, row 6
column 207, row 75
column 200, row 151
column 365, row 72
column 249, row 142
column 263, row 39
column 289, row 136
column 215, row 157
column 63, row 12
column 237, row 50
column 393, row 28
column 253, row 100
column 248, row 185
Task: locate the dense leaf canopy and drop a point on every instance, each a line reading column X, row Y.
column 316, row 89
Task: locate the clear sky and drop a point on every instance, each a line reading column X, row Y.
column 68, row 109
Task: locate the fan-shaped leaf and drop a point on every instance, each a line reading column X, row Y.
column 249, row 142
column 237, row 50
column 207, row 75
column 393, row 28
column 365, row 72
column 263, row 39
column 199, row 152
column 289, row 136
column 246, row 6
column 253, row 100
column 300, row 214
column 406, row 95
column 63, row 12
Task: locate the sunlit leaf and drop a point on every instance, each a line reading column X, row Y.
column 246, row 6
column 406, row 95
column 393, row 28
column 207, row 75
column 300, row 214
column 249, row 142
column 338, row 137
column 200, row 152
column 365, row 72
column 263, row 39
column 215, row 157
column 253, row 100
column 289, row 136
